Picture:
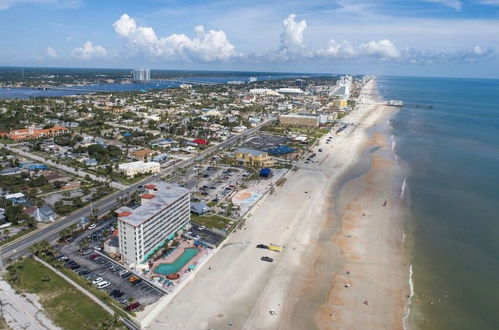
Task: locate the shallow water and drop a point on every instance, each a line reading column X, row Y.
column 452, row 159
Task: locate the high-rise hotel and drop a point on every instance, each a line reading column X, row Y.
column 164, row 210
column 141, row 74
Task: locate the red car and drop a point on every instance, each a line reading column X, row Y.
column 132, row 306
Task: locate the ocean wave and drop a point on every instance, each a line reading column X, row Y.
column 402, row 189
column 407, row 314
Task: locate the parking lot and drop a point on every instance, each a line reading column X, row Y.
column 264, row 141
column 212, row 184
column 93, row 265
column 205, row 235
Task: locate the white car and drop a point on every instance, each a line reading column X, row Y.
column 97, row 280
column 92, row 226
column 102, row 285
column 202, row 228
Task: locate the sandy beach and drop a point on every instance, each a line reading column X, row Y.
column 342, row 247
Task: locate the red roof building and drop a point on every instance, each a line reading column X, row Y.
column 148, row 196
column 200, row 141
column 124, row 214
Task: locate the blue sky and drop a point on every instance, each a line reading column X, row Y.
column 408, row 37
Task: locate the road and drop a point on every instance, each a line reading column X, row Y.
column 19, row 247
column 69, row 169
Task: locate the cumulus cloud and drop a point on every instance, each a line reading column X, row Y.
column 293, row 46
column 292, row 37
column 88, row 51
column 51, row 52
column 206, row 46
column 382, row 49
column 435, row 57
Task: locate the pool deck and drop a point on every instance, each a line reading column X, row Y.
column 184, row 244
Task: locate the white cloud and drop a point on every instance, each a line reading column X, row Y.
column 51, row 52
column 454, row 4
column 382, row 49
column 292, row 37
column 293, row 46
column 206, row 46
column 459, row 56
column 88, row 51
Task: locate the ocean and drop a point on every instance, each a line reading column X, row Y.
column 451, row 158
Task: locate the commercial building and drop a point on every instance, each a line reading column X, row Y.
column 32, row 132
column 136, row 168
column 253, row 157
column 165, row 209
column 141, row 74
column 290, row 91
column 299, row 120
column 340, row 103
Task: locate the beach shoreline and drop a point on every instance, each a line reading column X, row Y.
column 317, row 217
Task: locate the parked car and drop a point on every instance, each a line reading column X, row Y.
column 133, row 306
column 125, row 275
column 97, row 280
column 262, row 246
column 122, row 272
column 92, row 226
column 137, row 282
column 133, row 279
column 123, row 300
column 267, row 259
column 102, row 285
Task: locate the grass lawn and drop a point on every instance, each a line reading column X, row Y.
column 211, row 221
column 67, row 307
column 3, row 323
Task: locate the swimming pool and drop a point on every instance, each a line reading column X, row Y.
column 177, row 265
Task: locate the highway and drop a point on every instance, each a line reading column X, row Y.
column 19, row 247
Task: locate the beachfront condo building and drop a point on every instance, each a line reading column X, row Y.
column 164, row 210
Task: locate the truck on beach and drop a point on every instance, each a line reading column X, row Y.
column 275, row 247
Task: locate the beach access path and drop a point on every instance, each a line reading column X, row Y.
column 237, row 290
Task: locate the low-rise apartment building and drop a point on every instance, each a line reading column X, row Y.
column 165, row 209
column 137, row 168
